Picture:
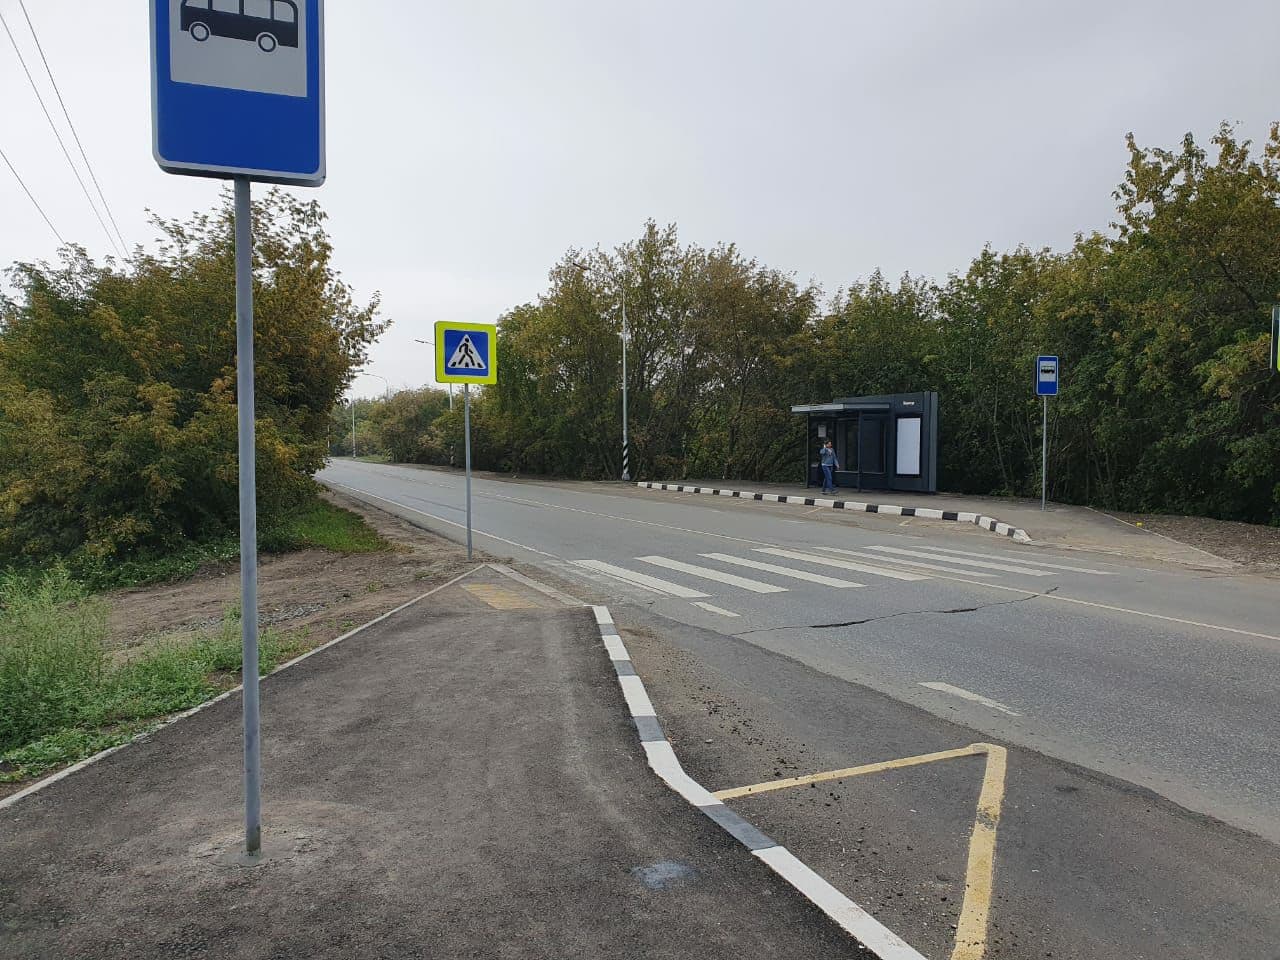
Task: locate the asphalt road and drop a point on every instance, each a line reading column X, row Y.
column 461, row 780
column 1163, row 676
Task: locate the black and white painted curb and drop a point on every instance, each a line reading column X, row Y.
column 869, row 931
column 987, row 523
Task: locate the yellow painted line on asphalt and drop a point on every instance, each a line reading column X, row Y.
column 979, row 881
column 848, row 772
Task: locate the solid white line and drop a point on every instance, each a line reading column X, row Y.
column 706, row 573
column 905, row 563
column 642, row 580
column 637, row 698
column 1018, row 560
column 663, row 761
column 662, row 758
column 783, row 571
column 843, row 564
column 867, row 929
column 613, row 643
column 970, row 695
column 151, row 731
column 461, row 526
column 712, row 608
column 964, row 563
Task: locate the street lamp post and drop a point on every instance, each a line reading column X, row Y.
column 626, row 445
column 431, row 343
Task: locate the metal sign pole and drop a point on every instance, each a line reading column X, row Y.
column 626, row 447
column 1044, row 453
column 248, row 517
column 466, row 403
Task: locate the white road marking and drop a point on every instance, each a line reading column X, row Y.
column 636, row 696
column 414, row 476
column 462, row 526
column 706, row 573
column 783, row 571
column 970, row 695
column 642, row 580
column 869, row 931
column 1025, row 571
column 1018, row 560
column 842, row 564
column 905, row 563
column 712, row 608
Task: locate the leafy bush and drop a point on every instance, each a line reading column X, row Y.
column 117, row 387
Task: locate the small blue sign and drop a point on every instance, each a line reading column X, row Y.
column 237, row 89
column 1046, row 376
column 466, row 353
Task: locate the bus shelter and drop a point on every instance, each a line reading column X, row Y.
column 882, row 443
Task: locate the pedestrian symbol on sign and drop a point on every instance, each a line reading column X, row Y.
column 465, row 356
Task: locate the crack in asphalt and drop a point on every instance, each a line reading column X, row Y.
column 902, row 613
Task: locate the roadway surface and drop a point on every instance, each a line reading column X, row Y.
column 1163, row 676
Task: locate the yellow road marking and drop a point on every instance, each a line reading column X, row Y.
column 498, row 597
column 848, row 772
column 979, row 881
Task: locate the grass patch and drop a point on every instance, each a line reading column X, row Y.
column 62, row 696
column 321, row 525
column 316, row 524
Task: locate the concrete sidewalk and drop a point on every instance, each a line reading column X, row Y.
column 460, row 780
column 1059, row 525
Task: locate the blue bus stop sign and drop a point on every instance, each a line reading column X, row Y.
column 1046, row 376
column 237, row 89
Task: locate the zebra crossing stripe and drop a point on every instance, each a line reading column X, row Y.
column 907, row 563
column 642, row 580
column 960, row 561
column 706, row 573
column 1029, row 563
column 783, row 571
column 843, row 564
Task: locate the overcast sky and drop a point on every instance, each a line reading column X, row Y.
column 471, row 143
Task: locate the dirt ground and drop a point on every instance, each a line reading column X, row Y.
column 326, row 593
column 1245, row 543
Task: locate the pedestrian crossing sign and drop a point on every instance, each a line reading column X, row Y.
column 466, row 352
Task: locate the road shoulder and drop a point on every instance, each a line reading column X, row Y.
column 462, row 779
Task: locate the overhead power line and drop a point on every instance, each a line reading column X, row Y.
column 54, row 127
column 62, row 103
column 32, row 198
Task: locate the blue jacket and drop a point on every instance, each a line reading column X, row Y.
column 827, row 457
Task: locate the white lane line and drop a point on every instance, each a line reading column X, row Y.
column 636, row 696
column 642, row 580
column 706, row 573
column 842, row 564
column 959, row 561
column 965, row 517
column 1030, row 563
column 783, row 571
column 970, row 695
column 461, row 526
column 869, row 931
column 905, row 563
column 712, row 608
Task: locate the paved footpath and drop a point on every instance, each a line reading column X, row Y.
column 461, row 780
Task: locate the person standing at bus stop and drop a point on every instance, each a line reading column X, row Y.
column 827, row 458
